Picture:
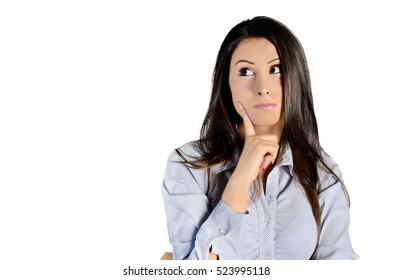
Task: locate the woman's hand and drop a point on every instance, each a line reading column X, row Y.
column 259, row 152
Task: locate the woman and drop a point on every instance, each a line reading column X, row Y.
column 257, row 184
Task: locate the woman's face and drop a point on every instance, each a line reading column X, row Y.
column 255, row 81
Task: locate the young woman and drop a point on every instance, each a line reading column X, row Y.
column 257, row 184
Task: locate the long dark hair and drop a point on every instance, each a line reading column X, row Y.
column 219, row 138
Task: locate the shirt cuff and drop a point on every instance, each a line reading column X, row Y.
column 223, row 231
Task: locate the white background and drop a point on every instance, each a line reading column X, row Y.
column 94, row 95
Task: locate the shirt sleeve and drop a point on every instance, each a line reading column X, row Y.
column 334, row 243
column 192, row 227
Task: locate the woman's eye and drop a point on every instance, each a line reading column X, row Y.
column 275, row 69
column 246, row 72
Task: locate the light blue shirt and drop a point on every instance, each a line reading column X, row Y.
column 279, row 223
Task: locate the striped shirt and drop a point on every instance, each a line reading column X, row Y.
column 279, row 223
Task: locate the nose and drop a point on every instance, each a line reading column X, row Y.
column 261, row 85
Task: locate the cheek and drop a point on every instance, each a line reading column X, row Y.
column 278, row 92
column 238, row 89
column 236, row 96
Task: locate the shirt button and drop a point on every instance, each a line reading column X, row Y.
column 221, row 231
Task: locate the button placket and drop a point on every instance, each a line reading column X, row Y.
column 271, row 201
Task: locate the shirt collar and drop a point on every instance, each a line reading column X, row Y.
column 287, row 159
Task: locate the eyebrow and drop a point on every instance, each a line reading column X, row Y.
column 243, row 60
column 250, row 62
column 273, row 60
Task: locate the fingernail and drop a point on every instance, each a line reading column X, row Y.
column 240, row 106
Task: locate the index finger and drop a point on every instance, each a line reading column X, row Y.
column 248, row 126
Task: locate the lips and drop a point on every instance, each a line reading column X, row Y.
column 265, row 106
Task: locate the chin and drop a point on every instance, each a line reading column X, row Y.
column 266, row 122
